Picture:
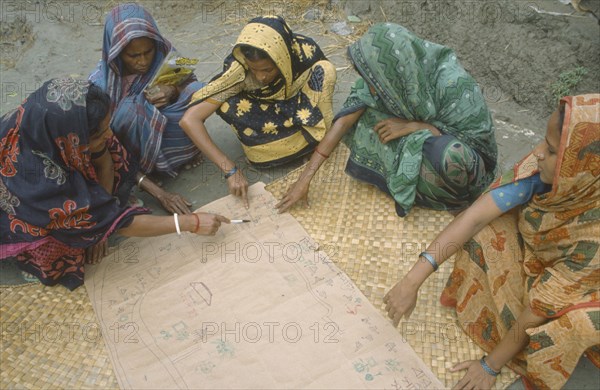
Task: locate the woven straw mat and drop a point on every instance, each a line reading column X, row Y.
column 357, row 225
column 50, row 337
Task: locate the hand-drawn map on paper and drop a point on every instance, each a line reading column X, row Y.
column 255, row 306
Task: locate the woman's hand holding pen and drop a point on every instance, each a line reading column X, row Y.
column 209, row 224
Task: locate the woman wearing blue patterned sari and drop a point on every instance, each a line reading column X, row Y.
column 147, row 125
column 64, row 184
column 416, row 124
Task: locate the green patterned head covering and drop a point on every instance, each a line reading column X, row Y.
column 422, row 81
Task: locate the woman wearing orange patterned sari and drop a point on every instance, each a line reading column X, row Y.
column 526, row 285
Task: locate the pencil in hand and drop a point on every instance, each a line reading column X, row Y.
column 239, row 220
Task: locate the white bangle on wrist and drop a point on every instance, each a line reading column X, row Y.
column 139, row 183
column 177, row 224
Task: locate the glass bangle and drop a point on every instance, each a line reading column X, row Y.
column 430, row 259
column 487, row 368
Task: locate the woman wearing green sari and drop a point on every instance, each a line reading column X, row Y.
column 416, row 123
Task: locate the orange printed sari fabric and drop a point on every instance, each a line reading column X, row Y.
column 546, row 256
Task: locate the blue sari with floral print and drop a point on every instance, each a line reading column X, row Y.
column 51, row 205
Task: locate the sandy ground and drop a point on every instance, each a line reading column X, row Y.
column 515, row 53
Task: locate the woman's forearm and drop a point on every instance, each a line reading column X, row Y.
column 328, row 144
column 454, row 236
column 146, row 184
column 193, row 125
column 152, row 225
column 204, row 142
column 515, row 340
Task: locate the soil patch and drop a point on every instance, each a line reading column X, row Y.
column 517, row 50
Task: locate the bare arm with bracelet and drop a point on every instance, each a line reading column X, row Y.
column 387, row 130
column 172, row 202
column 299, row 190
column 193, row 125
column 203, row 224
column 401, row 299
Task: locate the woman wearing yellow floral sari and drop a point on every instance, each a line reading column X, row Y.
column 276, row 93
column 526, row 286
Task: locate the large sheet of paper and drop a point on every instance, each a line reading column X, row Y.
column 256, row 306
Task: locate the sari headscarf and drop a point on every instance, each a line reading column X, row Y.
column 281, row 120
column 52, row 206
column 293, row 54
column 419, row 81
column 547, row 257
column 562, row 227
column 123, row 24
column 550, row 224
column 139, row 125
